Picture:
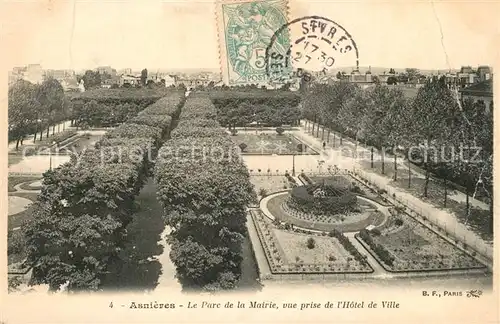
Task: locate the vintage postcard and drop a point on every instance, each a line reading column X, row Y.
column 249, row 161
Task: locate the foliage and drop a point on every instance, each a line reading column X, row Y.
column 159, row 121
column 23, row 108
column 379, row 250
column 346, row 243
column 267, row 107
column 242, row 147
column 79, row 220
column 280, row 130
column 204, row 188
column 332, row 200
column 91, row 79
column 311, row 243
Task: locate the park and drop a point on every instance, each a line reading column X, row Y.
column 224, row 189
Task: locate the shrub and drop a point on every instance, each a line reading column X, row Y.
column 262, row 192
column 234, row 131
column 15, row 242
column 398, row 222
column 280, row 130
column 311, row 243
column 332, row 258
column 242, row 146
column 290, row 179
column 306, row 178
column 375, row 232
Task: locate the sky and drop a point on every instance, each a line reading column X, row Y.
column 182, row 34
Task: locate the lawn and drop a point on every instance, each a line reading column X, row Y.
column 287, row 251
column 270, row 184
column 295, row 248
column 479, row 219
column 14, row 159
column 351, row 223
column 415, row 247
column 17, row 219
column 13, row 181
column 269, row 143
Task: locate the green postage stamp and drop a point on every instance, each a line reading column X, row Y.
column 245, row 30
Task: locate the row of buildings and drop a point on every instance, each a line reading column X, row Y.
column 110, row 77
column 475, row 84
column 465, row 77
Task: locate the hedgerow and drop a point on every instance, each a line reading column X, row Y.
column 204, row 188
column 79, row 220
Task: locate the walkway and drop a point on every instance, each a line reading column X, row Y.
column 378, row 270
column 29, row 139
column 442, row 218
column 167, row 280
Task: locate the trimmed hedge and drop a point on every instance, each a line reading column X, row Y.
column 198, row 122
column 204, row 188
column 78, row 226
column 186, row 132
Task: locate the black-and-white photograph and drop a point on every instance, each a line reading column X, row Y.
column 230, row 146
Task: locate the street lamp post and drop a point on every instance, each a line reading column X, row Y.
column 293, row 164
column 50, row 157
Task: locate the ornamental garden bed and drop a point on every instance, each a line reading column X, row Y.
column 403, row 244
column 478, row 220
column 269, row 143
column 13, row 181
column 278, row 208
column 296, row 251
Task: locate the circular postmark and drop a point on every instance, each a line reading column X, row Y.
column 317, row 44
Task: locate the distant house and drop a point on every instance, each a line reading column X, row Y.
column 108, row 83
column 70, row 84
column 130, row 80
column 106, row 70
column 480, row 92
column 484, row 72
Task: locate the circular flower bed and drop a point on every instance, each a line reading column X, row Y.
column 322, row 199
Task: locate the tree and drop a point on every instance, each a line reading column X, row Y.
column 378, row 128
column 23, row 110
column 92, row 79
column 51, row 98
column 392, row 80
column 412, row 73
column 392, row 71
column 144, row 76
column 433, row 112
column 352, row 115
